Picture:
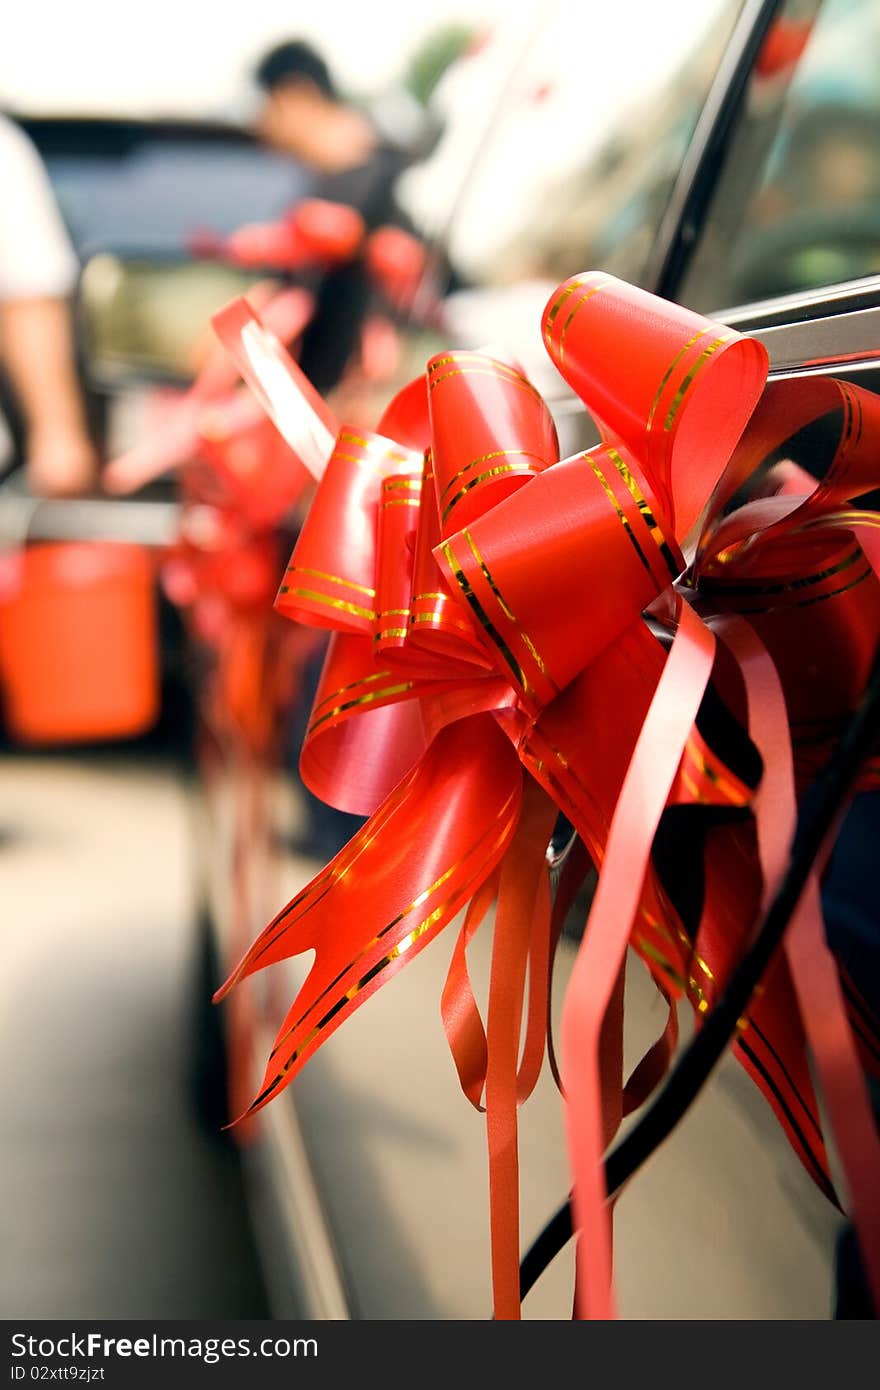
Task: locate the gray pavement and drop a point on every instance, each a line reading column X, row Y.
column 114, row 1202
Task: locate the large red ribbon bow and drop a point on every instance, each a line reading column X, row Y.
column 514, row 636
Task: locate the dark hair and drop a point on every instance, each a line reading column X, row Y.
column 294, row 61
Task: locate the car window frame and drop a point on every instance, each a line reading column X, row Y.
column 692, row 193
column 816, row 330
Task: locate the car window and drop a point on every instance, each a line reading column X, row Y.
column 155, row 190
column 596, row 160
column 797, row 205
column 610, row 212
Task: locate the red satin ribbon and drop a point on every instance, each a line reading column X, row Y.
column 503, row 622
column 816, row 981
column 600, row 960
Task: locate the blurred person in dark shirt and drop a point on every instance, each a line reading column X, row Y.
column 353, row 163
column 303, row 115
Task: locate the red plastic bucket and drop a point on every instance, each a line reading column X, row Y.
column 78, row 642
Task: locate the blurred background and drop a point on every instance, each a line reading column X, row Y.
column 381, row 181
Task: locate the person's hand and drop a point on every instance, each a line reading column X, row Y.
column 61, row 462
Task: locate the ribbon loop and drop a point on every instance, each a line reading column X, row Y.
column 491, row 431
column 680, row 402
column 332, row 575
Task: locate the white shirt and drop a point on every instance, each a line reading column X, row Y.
column 37, row 260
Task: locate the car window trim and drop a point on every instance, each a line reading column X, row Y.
column 692, row 192
column 801, row 306
column 844, row 335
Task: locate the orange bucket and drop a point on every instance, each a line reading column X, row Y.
column 78, row 642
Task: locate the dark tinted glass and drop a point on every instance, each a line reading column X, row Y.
column 798, row 203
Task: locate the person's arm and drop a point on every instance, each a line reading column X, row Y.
column 36, row 345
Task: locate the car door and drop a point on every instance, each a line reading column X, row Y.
column 725, row 1222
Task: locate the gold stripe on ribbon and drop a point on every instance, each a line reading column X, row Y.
column 496, row 472
column 691, row 986
column 683, row 938
column 591, row 290
column 594, row 290
column 355, row 439
column 645, row 512
column 689, row 379
column 808, row 602
column 370, row 698
column 332, row 579
column 374, row 446
column 505, row 608
column 352, row 685
column 724, row 786
column 850, row 434
column 370, row 464
column 519, row 381
column 695, row 791
column 835, row 593
column 718, row 779
column 487, row 458
column 483, row 618
column 651, row 951
column 336, row 871
column 670, row 369
column 320, row 886
column 624, row 519
column 758, row 588
column 337, row 603
column 440, row 620
column 558, row 303
column 456, row 357
column 385, row 632
column 595, row 850
column 851, row 515
column 405, row 944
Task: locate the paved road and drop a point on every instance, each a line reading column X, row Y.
column 113, row 1202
